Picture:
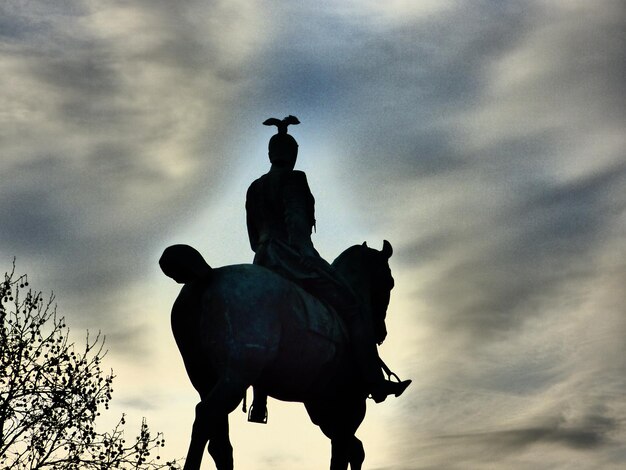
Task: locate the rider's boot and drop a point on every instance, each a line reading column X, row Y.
column 380, row 390
column 368, row 361
column 258, row 409
column 361, row 339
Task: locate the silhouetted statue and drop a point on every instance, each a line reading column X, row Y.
column 291, row 325
column 244, row 325
column 280, row 213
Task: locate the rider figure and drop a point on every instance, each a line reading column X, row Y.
column 280, row 216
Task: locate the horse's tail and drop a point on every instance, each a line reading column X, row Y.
column 184, row 264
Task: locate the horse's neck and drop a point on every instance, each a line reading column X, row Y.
column 357, row 280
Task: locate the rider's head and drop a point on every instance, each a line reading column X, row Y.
column 283, row 148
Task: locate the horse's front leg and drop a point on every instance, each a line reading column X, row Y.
column 340, row 453
column 347, row 450
column 357, row 454
column 339, row 422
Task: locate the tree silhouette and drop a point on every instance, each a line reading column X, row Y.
column 51, row 392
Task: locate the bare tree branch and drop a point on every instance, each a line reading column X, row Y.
column 51, row 393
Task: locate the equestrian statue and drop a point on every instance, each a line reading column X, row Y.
column 291, row 325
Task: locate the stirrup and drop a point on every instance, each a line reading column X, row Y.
column 390, row 374
column 255, row 417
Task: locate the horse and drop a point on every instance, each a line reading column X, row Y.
column 243, row 325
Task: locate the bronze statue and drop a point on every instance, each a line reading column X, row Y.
column 291, row 325
column 280, row 215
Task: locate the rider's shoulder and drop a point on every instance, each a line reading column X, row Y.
column 255, row 184
column 298, row 176
column 297, row 181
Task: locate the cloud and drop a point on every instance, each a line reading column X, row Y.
column 491, row 160
column 549, row 441
column 587, row 435
column 511, row 448
column 483, row 139
column 472, row 147
column 114, row 124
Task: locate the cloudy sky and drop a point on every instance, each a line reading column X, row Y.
column 484, row 139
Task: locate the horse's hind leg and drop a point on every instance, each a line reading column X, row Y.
column 219, row 445
column 199, row 437
column 211, row 424
column 209, row 427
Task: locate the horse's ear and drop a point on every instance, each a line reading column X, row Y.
column 387, row 249
column 364, row 244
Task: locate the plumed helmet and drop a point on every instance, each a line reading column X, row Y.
column 282, row 148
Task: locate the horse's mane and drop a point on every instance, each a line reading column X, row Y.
column 347, row 256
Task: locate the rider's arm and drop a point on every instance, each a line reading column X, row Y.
column 253, row 233
column 299, row 212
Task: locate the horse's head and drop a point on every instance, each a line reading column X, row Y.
column 367, row 271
